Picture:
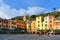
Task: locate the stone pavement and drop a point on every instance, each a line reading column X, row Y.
column 28, row 37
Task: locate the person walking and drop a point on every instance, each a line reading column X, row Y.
column 39, row 33
column 48, row 33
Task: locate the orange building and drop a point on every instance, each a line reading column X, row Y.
column 57, row 25
column 16, row 24
column 20, row 24
column 33, row 28
column 49, row 22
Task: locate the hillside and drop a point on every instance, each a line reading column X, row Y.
column 32, row 17
column 19, row 17
column 55, row 14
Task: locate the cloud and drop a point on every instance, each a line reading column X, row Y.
column 3, row 15
column 3, row 8
column 22, row 12
column 7, row 12
column 35, row 10
column 31, row 11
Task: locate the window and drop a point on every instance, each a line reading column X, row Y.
column 50, row 21
column 9, row 26
column 0, row 25
column 45, row 21
column 45, row 24
column 13, row 23
column 38, row 25
column 38, row 21
column 5, row 21
column 50, row 25
column 42, row 25
column 0, row 20
column 13, row 27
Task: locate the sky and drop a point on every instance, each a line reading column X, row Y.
column 13, row 8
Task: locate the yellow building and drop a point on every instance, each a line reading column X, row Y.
column 45, row 23
column 28, row 26
column 39, row 23
column 33, row 27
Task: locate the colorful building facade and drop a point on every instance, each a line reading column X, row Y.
column 45, row 23
column 28, row 26
column 3, row 23
column 33, row 27
column 16, row 24
column 48, row 23
column 57, row 25
column 12, row 24
column 39, row 23
column 20, row 24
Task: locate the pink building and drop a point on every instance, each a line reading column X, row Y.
column 3, row 23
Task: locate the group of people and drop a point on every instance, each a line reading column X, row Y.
column 48, row 33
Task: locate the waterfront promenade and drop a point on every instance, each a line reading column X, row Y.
column 28, row 37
